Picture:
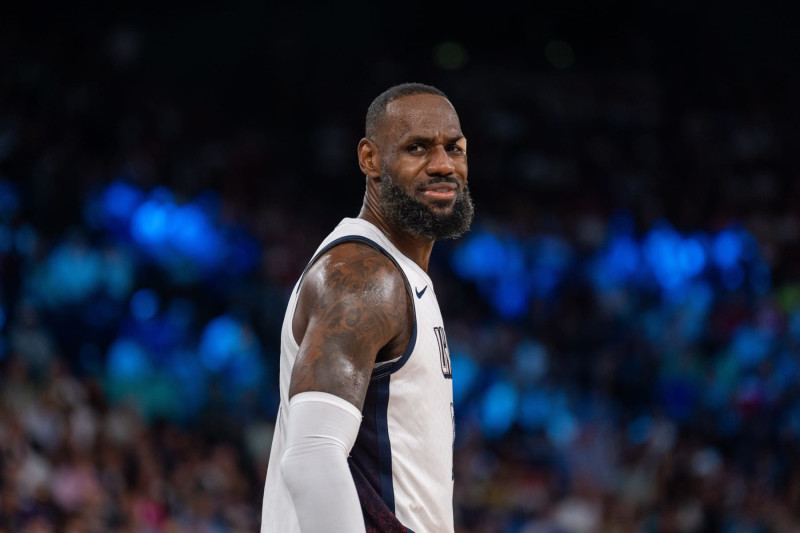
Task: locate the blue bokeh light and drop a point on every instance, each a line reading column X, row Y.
column 73, row 271
column 194, row 235
column 120, row 200
column 144, row 304
column 510, row 298
column 186, row 239
column 530, row 361
column 727, row 249
column 750, row 346
column 465, row 371
column 662, row 250
column 511, row 272
column 127, row 361
column 498, row 409
column 150, row 223
column 481, row 256
column 219, row 341
column 562, row 428
column 534, row 409
column 692, row 257
column 623, row 258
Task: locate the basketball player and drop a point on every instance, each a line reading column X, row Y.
column 364, row 433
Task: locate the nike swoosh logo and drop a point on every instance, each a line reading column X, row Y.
column 420, row 293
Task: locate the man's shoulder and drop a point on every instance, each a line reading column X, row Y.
column 355, row 266
column 354, row 287
column 354, row 249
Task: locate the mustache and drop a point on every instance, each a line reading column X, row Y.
column 433, row 181
column 442, row 179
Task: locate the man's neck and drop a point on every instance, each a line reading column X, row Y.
column 417, row 249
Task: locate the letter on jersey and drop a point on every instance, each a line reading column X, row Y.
column 444, row 353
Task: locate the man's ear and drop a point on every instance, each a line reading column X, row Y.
column 368, row 158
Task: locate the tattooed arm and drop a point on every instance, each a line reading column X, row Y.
column 353, row 309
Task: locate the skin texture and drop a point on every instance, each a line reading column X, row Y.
column 354, row 306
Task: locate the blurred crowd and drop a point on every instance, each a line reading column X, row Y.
column 624, row 317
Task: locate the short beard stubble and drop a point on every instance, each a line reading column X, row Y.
column 415, row 218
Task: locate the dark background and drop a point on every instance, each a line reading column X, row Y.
column 286, row 73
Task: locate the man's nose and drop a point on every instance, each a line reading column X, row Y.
column 439, row 162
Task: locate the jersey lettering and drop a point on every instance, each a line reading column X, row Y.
column 444, row 352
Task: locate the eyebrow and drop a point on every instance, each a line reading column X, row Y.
column 422, row 139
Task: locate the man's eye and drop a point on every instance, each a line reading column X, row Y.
column 415, row 148
column 455, row 148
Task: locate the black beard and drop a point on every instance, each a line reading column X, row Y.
column 414, row 217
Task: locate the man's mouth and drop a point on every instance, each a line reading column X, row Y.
column 440, row 191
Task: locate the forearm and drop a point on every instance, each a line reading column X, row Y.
column 322, row 429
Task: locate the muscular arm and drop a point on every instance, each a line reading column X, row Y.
column 353, row 308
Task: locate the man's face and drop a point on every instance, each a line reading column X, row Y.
column 423, row 185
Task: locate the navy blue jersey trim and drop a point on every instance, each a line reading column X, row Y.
column 330, row 245
column 384, row 445
column 394, row 366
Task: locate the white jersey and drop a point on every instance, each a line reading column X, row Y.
column 402, row 461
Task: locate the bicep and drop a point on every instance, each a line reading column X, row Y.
column 352, row 309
